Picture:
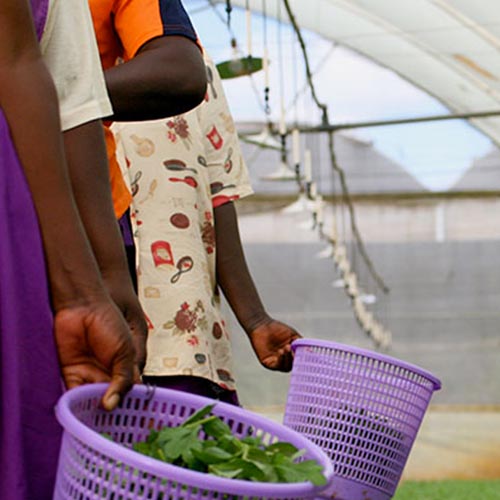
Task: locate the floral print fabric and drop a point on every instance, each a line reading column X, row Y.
column 179, row 169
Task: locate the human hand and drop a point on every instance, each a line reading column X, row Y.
column 126, row 299
column 94, row 345
column 271, row 342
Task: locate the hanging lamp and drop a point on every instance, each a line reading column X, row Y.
column 240, row 66
column 263, row 139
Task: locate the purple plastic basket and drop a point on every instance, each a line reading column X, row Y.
column 93, row 467
column 362, row 408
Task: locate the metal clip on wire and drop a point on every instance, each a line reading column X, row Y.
column 150, row 391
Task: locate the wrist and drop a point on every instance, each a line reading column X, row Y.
column 120, row 287
column 74, row 277
column 71, row 293
column 116, row 276
column 254, row 321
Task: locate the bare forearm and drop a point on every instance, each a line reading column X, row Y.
column 89, row 173
column 30, row 109
column 233, row 275
column 167, row 77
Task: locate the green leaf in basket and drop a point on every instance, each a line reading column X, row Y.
column 252, row 440
column 164, row 435
column 180, row 439
column 242, row 469
column 216, row 428
column 144, row 448
column 205, row 443
column 295, row 472
column 311, row 471
column 197, row 416
column 263, row 460
column 153, row 435
column 231, row 444
column 189, row 459
column 212, row 455
column 229, row 470
column 286, row 449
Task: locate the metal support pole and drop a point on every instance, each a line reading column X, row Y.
column 402, row 121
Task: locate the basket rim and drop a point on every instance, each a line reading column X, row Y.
column 195, row 479
column 367, row 354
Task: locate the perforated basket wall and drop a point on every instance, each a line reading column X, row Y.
column 362, row 408
column 93, row 467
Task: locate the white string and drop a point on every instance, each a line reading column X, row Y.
column 248, row 15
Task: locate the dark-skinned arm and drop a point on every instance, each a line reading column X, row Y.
column 89, row 173
column 92, row 338
column 165, row 78
column 270, row 339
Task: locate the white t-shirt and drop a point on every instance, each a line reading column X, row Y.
column 70, row 51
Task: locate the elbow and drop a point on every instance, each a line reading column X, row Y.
column 191, row 91
column 180, row 98
column 181, row 75
column 192, row 77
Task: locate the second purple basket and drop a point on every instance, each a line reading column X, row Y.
column 360, row 407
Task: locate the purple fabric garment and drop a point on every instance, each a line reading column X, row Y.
column 29, row 372
column 128, row 241
column 126, row 229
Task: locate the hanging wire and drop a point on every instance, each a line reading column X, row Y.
column 281, row 70
column 316, row 147
column 248, row 16
column 235, row 45
column 223, row 19
column 282, row 125
column 267, row 107
column 229, row 9
column 333, row 160
column 295, row 79
column 296, row 139
column 318, row 67
column 345, row 265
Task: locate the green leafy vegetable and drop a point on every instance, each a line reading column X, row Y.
column 204, row 443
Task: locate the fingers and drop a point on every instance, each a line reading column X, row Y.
column 286, row 360
column 139, row 342
column 83, row 374
column 72, row 381
column 287, row 354
column 139, row 330
column 137, row 375
column 123, row 373
column 117, row 389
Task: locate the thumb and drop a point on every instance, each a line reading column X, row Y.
column 122, row 379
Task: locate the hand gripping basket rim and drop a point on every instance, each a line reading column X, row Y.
column 192, row 478
column 367, row 354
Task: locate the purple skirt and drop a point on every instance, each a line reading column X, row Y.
column 30, row 382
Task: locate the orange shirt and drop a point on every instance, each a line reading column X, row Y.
column 122, row 27
column 122, row 198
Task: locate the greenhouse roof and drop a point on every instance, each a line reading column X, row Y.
column 448, row 48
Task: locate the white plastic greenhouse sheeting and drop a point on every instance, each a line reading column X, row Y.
column 449, row 48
